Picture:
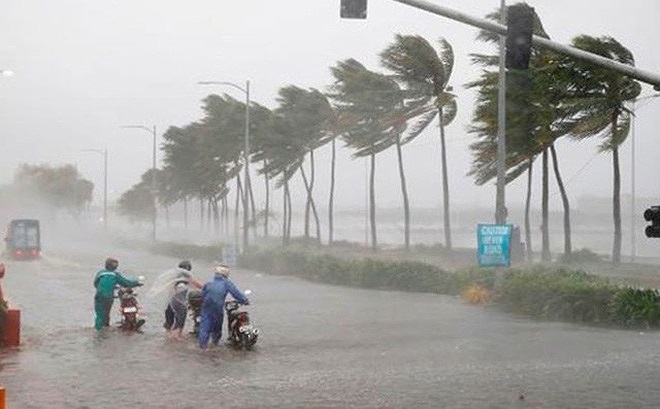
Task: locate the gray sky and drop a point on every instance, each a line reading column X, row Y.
column 84, row 68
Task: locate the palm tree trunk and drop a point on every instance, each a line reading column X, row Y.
column 564, row 199
column 216, row 216
column 372, row 203
column 239, row 194
column 201, row 214
column 616, row 207
column 331, row 201
column 545, row 231
column 253, row 221
column 267, row 210
column 312, row 178
column 528, row 201
column 404, row 193
column 225, row 212
column 445, row 182
column 185, row 213
column 310, row 204
column 289, row 217
column 284, row 214
column 209, row 213
column 307, row 204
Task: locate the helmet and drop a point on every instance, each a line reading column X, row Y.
column 185, row 264
column 222, row 270
column 111, row 264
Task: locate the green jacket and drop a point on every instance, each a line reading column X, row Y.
column 105, row 282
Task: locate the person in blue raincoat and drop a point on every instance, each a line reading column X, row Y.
column 213, row 299
column 105, row 282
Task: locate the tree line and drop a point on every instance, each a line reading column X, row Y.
column 371, row 111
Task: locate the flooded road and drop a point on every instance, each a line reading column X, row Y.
column 320, row 347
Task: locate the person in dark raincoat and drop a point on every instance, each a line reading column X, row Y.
column 213, row 299
column 105, row 282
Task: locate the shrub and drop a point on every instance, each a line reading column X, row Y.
column 635, row 307
column 558, row 295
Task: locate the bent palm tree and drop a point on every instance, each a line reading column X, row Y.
column 598, row 98
column 425, row 74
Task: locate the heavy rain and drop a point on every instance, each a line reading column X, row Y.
column 341, row 165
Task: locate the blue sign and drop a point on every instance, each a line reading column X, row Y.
column 494, row 244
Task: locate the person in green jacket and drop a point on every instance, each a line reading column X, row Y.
column 105, row 282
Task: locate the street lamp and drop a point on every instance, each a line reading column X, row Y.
column 153, row 172
column 246, row 153
column 104, row 153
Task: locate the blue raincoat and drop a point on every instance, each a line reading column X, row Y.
column 213, row 299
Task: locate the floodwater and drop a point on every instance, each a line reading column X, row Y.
column 320, row 347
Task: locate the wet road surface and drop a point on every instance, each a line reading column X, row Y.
column 320, row 347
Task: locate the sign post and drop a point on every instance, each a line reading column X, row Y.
column 494, row 245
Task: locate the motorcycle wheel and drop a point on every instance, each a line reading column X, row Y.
column 245, row 342
column 129, row 323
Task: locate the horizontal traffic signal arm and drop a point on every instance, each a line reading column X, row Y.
column 633, row 72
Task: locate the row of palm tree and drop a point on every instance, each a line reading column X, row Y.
column 366, row 110
column 371, row 111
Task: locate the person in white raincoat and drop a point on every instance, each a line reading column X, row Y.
column 177, row 307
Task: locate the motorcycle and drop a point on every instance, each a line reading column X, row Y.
column 129, row 309
column 240, row 333
column 195, row 307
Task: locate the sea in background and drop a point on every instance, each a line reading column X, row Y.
column 592, row 227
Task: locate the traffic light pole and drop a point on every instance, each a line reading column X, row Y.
column 636, row 73
column 500, row 196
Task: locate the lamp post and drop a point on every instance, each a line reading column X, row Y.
column 246, row 153
column 153, row 173
column 104, row 153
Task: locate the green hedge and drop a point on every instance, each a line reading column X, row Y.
column 539, row 292
column 365, row 272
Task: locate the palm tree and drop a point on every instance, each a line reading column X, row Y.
column 426, row 75
column 260, row 134
column 597, row 101
column 369, row 101
column 306, row 113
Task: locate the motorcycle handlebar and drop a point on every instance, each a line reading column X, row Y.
column 237, row 303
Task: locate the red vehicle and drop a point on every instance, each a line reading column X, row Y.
column 129, row 310
column 23, row 239
column 240, row 333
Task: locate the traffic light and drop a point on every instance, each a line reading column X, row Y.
column 652, row 214
column 520, row 27
column 353, row 9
